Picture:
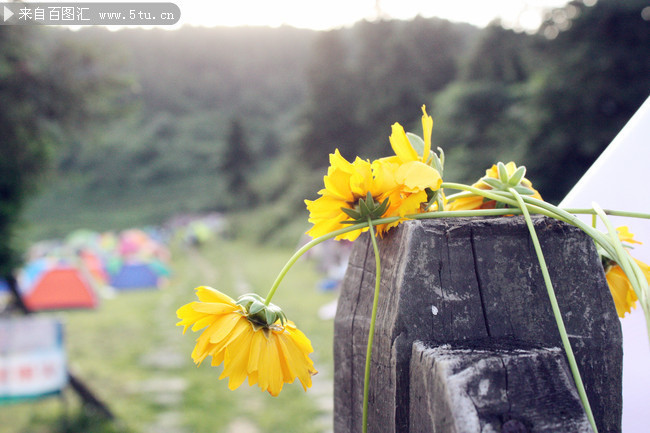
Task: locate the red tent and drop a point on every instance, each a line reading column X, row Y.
column 60, row 288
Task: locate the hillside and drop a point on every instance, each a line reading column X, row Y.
column 241, row 120
column 161, row 154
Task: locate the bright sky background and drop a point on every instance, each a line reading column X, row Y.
column 325, row 14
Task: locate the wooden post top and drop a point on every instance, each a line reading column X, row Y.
column 464, row 280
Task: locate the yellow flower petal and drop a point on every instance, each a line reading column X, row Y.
column 466, row 203
column 208, row 294
column 254, row 358
column 337, row 184
column 417, row 176
column 427, row 129
column 236, row 359
column 275, row 379
column 226, row 325
column 401, row 145
column 214, row 308
column 621, row 289
column 470, row 202
column 268, row 357
column 625, row 236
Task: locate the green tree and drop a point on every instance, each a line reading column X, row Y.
column 598, row 75
column 44, row 94
column 329, row 117
column 23, row 150
column 478, row 123
column 499, row 55
column 237, row 166
column 482, row 117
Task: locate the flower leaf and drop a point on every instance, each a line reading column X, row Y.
column 517, row 176
column 379, row 211
column 256, row 307
column 363, row 207
column 351, row 213
column 416, row 143
column 503, row 172
column 271, row 317
column 524, row 190
column 439, row 161
column 492, row 182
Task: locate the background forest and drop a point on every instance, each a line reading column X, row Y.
column 135, row 126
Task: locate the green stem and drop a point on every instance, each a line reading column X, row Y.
column 462, row 213
column 371, row 331
column 309, row 245
column 500, row 196
column 626, row 262
column 562, row 214
column 609, row 212
column 556, row 311
column 429, row 215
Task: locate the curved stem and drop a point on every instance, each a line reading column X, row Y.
column 556, row 312
column 428, row 215
column 462, row 213
column 371, row 331
column 609, row 212
column 500, row 196
column 596, row 235
column 294, row 258
column 627, row 263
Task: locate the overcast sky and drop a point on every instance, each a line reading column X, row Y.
column 325, row 14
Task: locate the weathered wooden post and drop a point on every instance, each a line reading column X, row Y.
column 465, row 339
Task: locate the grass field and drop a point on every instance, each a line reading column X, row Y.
column 131, row 354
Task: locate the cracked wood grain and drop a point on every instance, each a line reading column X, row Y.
column 450, row 281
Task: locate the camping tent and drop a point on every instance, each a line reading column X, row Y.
column 135, row 276
column 618, row 180
column 62, row 287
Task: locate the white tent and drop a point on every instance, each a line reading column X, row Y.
column 619, row 180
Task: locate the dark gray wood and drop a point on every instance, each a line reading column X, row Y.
column 470, row 279
column 493, row 389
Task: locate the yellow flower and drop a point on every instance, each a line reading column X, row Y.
column 625, row 236
column 619, row 285
column 472, row 201
column 621, row 289
column 268, row 355
column 401, row 181
column 403, row 185
column 404, row 151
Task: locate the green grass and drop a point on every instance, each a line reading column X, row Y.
column 68, row 203
column 131, row 354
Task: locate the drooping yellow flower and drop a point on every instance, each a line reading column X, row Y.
column 402, row 185
column 625, row 236
column 268, row 356
column 619, row 285
column 472, row 201
column 621, row 289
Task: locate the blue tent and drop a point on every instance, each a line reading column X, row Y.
column 135, row 276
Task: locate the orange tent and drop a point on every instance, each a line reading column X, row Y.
column 60, row 288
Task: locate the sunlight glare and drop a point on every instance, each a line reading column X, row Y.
column 321, row 14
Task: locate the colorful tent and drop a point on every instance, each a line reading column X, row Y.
column 5, row 294
column 60, row 288
column 135, row 276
